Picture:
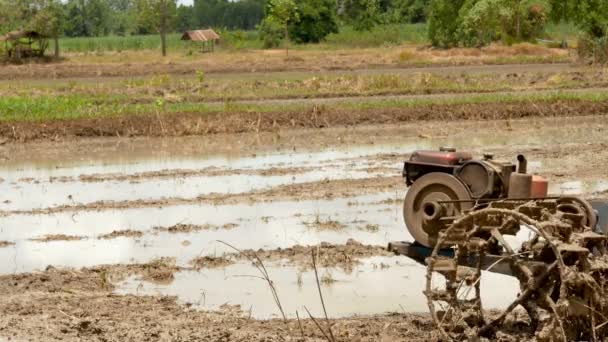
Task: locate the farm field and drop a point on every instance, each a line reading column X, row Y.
column 126, row 225
column 134, row 194
column 314, row 58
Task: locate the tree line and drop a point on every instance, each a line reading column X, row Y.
column 450, row 22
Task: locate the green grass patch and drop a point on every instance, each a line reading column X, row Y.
column 382, row 35
column 44, row 108
column 230, row 40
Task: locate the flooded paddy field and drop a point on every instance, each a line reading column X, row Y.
column 147, row 232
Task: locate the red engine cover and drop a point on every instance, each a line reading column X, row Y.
column 440, row 157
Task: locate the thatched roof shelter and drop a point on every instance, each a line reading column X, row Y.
column 201, row 35
column 16, row 35
column 24, row 43
column 207, row 38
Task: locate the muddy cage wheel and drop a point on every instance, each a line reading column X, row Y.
column 456, row 308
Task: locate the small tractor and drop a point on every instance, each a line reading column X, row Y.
column 470, row 216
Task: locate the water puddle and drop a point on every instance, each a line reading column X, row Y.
column 378, row 285
column 56, row 194
column 262, row 225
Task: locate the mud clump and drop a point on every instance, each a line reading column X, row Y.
column 4, row 244
column 328, row 255
column 328, row 224
column 121, row 233
column 160, row 271
column 211, row 262
column 57, row 237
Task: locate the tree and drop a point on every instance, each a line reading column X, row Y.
column 185, row 18
column 123, row 13
column 592, row 17
column 409, row 11
column 444, row 22
column 317, row 20
column 479, row 22
column 363, row 15
column 11, row 15
column 47, row 17
column 157, row 15
column 282, row 13
column 88, row 18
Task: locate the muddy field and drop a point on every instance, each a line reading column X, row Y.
column 151, row 238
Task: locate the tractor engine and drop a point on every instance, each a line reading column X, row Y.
column 447, row 183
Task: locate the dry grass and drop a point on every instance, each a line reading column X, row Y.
column 146, row 62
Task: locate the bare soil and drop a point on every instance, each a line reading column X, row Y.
column 68, row 304
column 184, row 124
column 77, row 305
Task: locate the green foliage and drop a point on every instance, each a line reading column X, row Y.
column 152, row 15
column 381, row 35
column 87, row 18
column 362, row 15
column 408, row 11
column 479, row 22
column 317, row 19
column 271, row 33
column 48, row 18
column 242, row 14
column 592, row 17
column 444, row 22
column 279, row 15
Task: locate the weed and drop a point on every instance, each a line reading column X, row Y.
column 200, row 76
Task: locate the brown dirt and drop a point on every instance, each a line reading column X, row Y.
column 4, row 244
column 122, row 233
column 74, row 305
column 211, row 262
column 57, row 237
column 183, row 124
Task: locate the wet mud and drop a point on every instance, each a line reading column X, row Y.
column 115, row 225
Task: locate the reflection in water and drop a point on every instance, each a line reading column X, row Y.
column 378, row 285
column 261, row 225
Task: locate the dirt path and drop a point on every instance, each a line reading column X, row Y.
column 408, row 70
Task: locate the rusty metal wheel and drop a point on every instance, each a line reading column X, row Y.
column 476, row 238
column 582, row 207
column 420, row 204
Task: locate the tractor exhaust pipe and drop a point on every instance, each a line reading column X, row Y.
column 520, row 183
column 523, row 164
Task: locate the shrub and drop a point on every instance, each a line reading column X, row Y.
column 594, row 50
column 271, row 33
